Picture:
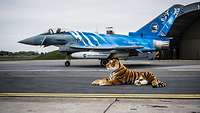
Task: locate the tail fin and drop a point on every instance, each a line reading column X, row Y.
column 161, row 24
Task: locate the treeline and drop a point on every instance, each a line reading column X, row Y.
column 20, row 53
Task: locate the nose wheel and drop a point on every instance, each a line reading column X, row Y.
column 103, row 62
column 67, row 63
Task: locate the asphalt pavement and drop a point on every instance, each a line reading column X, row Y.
column 49, row 87
column 50, row 76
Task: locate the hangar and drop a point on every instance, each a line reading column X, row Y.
column 186, row 33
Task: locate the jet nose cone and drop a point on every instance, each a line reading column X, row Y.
column 35, row 40
column 26, row 41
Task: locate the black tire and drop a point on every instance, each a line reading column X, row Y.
column 104, row 62
column 67, row 64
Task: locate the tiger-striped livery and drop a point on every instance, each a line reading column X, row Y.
column 121, row 75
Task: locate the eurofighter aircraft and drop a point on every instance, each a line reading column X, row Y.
column 141, row 44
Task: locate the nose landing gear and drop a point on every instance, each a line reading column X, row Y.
column 68, row 59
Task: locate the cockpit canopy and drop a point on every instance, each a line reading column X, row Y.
column 52, row 31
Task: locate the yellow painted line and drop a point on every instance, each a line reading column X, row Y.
column 83, row 95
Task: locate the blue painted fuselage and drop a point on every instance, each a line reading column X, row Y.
column 88, row 39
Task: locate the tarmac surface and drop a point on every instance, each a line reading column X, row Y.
column 50, row 76
column 49, row 87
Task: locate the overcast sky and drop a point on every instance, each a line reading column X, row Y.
column 20, row 19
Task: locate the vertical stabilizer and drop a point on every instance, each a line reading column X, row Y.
column 161, row 24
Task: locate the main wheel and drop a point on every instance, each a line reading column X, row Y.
column 104, row 62
column 67, row 63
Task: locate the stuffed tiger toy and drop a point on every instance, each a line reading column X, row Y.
column 119, row 75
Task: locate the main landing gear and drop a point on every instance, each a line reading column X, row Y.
column 67, row 63
column 104, row 62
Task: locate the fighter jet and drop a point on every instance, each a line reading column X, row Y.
column 141, row 44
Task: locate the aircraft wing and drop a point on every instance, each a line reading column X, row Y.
column 107, row 48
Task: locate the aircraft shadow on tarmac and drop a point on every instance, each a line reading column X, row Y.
column 127, row 65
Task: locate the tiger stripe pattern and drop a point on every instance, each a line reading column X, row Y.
column 119, row 75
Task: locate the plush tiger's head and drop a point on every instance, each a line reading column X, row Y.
column 113, row 64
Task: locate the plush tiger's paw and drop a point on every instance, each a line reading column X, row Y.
column 95, row 82
column 105, row 83
column 154, row 85
column 100, row 81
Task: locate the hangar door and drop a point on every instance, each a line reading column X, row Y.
column 189, row 47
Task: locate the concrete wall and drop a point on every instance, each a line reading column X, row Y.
column 190, row 42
